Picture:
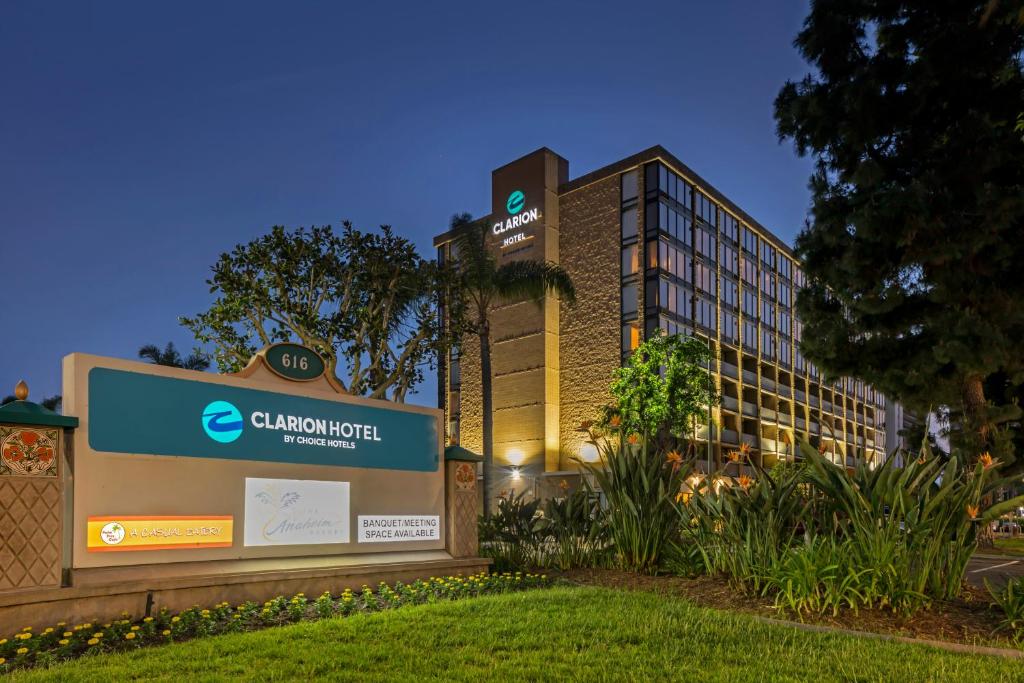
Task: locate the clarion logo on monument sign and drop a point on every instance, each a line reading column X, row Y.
column 518, row 217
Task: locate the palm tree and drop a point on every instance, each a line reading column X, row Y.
column 170, row 357
column 481, row 283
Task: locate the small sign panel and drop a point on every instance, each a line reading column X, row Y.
column 296, row 512
column 158, row 532
column 295, row 362
column 390, row 528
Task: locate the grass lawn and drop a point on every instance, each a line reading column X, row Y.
column 1010, row 546
column 561, row 633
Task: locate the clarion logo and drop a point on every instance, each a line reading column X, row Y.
column 516, row 221
column 222, row 421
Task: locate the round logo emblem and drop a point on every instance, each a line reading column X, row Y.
column 28, row 452
column 112, row 533
column 516, row 202
column 222, row 422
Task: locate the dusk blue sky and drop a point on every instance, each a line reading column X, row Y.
column 138, row 141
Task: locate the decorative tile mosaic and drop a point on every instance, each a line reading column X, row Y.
column 26, row 451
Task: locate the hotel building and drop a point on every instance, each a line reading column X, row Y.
column 650, row 246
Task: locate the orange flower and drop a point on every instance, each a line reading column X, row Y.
column 972, row 511
column 745, row 448
column 673, row 457
column 29, row 438
column 922, row 460
column 633, row 439
column 986, row 460
column 586, row 425
column 614, row 421
column 744, row 481
column 683, row 497
column 564, row 485
column 735, row 456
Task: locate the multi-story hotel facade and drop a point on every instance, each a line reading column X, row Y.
column 651, row 247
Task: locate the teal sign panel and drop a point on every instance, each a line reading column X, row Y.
column 131, row 412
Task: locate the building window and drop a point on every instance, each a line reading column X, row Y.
column 784, row 320
column 706, row 313
column 767, row 343
column 768, row 255
column 767, row 314
column 749, row 303
column 730, row 260
column 749, row 241
column 784, row 267
column 672, row 260
column 630, row 186
column 706, row 209
column 784, row 297
column 453, row 429
column 454, row 369
column 629, row 223
column 630, row 302
column 767, row 284
column 748, row 271
column 705, row 278
column 784, row 350
column 730, row 327
column 728, row 291
column 630, row 337
column 730, row 227
column 706, row 244
column 630, row 260
column 750, row 335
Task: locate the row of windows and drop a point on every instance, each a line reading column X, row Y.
column 671, row 200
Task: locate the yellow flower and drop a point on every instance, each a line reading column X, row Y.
column 2, row 660
column 135, row 628
column 3, row 641
column 49, row 630
column 129, row 636
column 175, row 620
column 167, row 633
column 972, row 511
column 63, row 642
column 93, row 641
column 22, row 650
column 98, row 634
column 26, row 636
column 27, row 628
column 148, row 619
column 68, row 634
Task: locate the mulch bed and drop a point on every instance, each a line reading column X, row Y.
column 965, row 620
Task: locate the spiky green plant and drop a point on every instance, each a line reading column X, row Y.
column 574, row 529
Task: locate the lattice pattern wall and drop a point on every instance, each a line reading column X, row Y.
column 30, row 515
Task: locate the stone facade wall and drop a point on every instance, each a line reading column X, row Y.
column 590, row 330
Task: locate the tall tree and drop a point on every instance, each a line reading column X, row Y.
column 480, row 283
column 170, row 357
column 365, row 301
column 915, row 243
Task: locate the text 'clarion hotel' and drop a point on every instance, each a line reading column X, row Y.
column 649, row 246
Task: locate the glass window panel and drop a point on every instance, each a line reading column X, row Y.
column 630, row 186
column 629, row 223
column 629, row 300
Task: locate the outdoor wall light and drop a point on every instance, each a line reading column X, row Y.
column 516, row 474
column 588, row 452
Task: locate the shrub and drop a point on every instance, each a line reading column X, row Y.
column 1010, row 601
column 574, row 530
column 640, row 484
column 509, row 536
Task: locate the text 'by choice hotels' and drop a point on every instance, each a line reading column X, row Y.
column 315, row 431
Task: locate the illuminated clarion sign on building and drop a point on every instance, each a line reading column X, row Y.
column 515, row 205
